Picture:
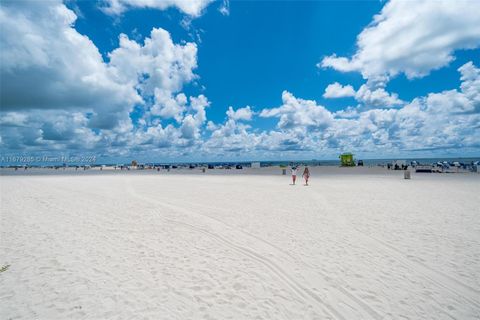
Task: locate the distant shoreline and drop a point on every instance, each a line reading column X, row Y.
column 263, row 163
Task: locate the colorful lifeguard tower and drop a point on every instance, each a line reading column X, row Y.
column 346, row 160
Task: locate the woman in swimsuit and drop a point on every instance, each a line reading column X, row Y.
column 306, row 175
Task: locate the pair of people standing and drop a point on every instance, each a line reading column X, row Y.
column 305, row 175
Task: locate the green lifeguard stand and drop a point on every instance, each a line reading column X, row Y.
column 346, row 160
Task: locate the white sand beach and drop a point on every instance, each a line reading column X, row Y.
column 355, row 244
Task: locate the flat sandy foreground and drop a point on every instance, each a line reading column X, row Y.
column 356, row 244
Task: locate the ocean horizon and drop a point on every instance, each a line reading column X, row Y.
column 263, row 163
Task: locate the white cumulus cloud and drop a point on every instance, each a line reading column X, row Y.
column 47, row 64
column 193, row 8
column 298, row 112
column 336, row 90
column 412, row 37
column 245, row 113
column 376, row 97
column 58, row 92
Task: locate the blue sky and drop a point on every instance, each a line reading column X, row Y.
column 155, row 80
column 250, row 56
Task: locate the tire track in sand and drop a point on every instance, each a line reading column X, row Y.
column 301, row 291
column 436, row 277
column 285, row 277
column 334, row 285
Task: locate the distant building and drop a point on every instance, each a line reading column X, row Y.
column 346, row 160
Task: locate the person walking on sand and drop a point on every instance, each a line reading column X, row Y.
column 294, row 174
column 306, row 175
